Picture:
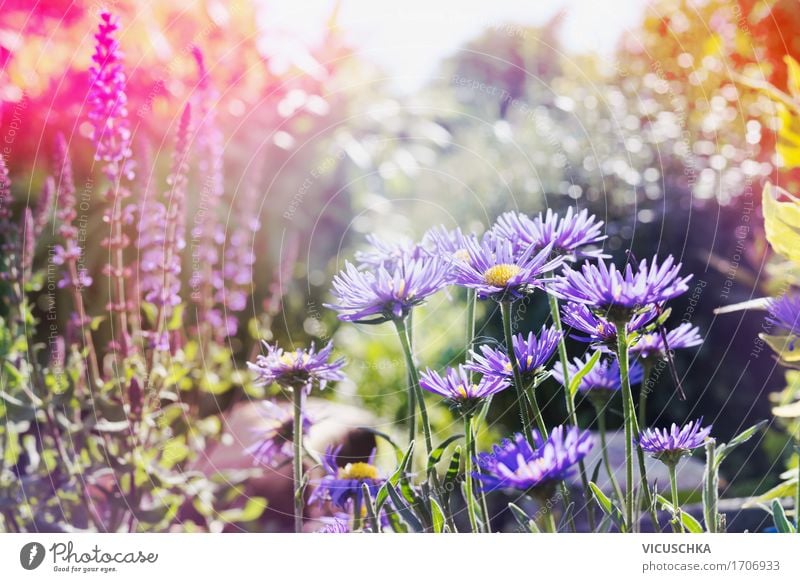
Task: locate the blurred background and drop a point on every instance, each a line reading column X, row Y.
column 346, row 118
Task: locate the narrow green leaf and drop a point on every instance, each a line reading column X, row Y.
column 785, row 489
column 438, row 517
column 522, row 518
column 576, row 380
column 608, row 506
column 744, row 436
column 383, row 492
column 779, row 517
column 436, row 454
column 401, row 507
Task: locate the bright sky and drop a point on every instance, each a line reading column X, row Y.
column 409, row 38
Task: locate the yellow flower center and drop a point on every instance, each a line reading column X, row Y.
column 358, row 471
column 500, row 275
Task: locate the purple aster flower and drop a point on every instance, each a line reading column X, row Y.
column 387, row 254
column 495, row 271
column 532, row 354
column 567, row 235
column 298, row 369
column 670, row 445
column 650, row 346
column 784, row 313
column 456, row 386
column 384, row 294
column 342, row 485
column 109, row 102
column 621, row 293
column 276, row 435
column 337, row 526
column 598, row 329
column 604, row 376
column 515, row 464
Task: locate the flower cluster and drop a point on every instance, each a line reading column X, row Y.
column 457, row 387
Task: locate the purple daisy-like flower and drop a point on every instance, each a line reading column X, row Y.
column 784, row 313
column 344, row 484
column 604, row 375
column 650, row 346
column 494, row 270
column 669, row 445
column 568, row 235
column 337, row 526
column 387, row 254
column 516, row 464
column 275, row 435
column 532, row 353
column 298, row 369
column 595, row 328
column 621, row 293
column 456, row 386
column 384, row 294
column 450, row 245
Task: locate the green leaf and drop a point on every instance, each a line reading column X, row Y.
column 782, row 220
column 576, row 380
column 785, row 489
column 689, row 523
column 438, row 517
column 522, row 518
column 383, row 492
column 404, row 511
column 436, row 454
column 779, row 517
column 724, row 450
column 608, row 506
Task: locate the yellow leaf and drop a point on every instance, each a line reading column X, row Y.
column 782, row 221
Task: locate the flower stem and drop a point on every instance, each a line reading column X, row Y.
column 505, row 309
column 297, row 440
column 402, row 332
column 468, row 431
column 627, row 407
column 673, row 484
column 631, row 429
column 555, row 313
column 710, row 495
column 412, row 399
column 644, row 392
column 601, row 425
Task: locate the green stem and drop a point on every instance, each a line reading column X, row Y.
column 297, row 461
column 673, row 485
column 412, row 399
column 357, row 521
column 601, row 425
column 627, row 408
column 631, row 430
column 473, row 522
column 555, row 313
column 644, row 392
column 472, row 301
column 487, row 526
column 505, row 309
column 710, row 495
column 402, row 332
